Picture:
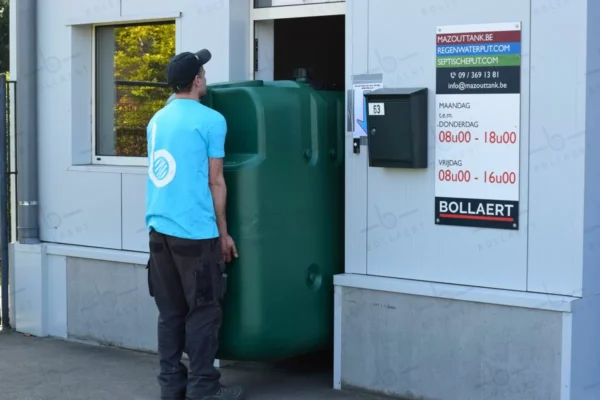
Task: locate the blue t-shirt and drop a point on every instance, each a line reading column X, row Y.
column 181, row 137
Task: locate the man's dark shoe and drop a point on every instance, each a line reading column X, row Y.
column 227, row 393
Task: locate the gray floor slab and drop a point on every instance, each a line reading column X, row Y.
column 52, row 369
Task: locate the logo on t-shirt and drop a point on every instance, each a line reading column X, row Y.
column 161, row 164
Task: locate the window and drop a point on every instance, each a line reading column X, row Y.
column 130, row 86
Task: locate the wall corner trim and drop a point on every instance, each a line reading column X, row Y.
column 511, row 298
column 91, row 20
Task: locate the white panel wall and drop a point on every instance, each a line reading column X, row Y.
column 30, row 289
column 103, row 206
column 82, row 208
column 586, row 320
column 239, row 30
column 75, row 207
column 402, row 239
column 87, row 205
column 134, row 8
column 135, row 234
column 357, row 63
column 205, row 24
column 84, row 10
column 557, row 160
column 546, row 253
column 591, row 261
column 57, row 295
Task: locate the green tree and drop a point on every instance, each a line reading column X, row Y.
column 4, row 36
column 142, row 54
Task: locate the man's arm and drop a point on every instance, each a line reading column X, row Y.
column 216, row 181
column 218, row 190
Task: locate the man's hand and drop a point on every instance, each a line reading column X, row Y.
column 228, row 249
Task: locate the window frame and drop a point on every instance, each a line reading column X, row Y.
column 325, row 8
column 127, row 161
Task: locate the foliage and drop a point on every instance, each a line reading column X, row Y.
column 142, row 54
column 4, row 36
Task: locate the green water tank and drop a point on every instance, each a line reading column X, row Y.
column 284, row 173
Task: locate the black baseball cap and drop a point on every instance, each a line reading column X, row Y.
column 183, row 68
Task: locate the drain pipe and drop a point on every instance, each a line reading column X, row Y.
column 27, row 122
column 4, row 179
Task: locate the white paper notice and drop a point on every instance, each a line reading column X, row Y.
column 360, row 106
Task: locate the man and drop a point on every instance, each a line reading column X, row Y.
column 189, row 243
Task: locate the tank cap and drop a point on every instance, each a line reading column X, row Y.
column 300, row 73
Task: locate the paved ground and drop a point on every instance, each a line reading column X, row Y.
column 51, row 369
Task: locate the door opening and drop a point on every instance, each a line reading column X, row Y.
column 315, row 45
column 312, row 48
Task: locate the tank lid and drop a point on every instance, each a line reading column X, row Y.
column 301, row 73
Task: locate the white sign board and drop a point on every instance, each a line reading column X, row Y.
column 477, row 136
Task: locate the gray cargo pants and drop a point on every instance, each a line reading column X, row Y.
column 188, row 282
